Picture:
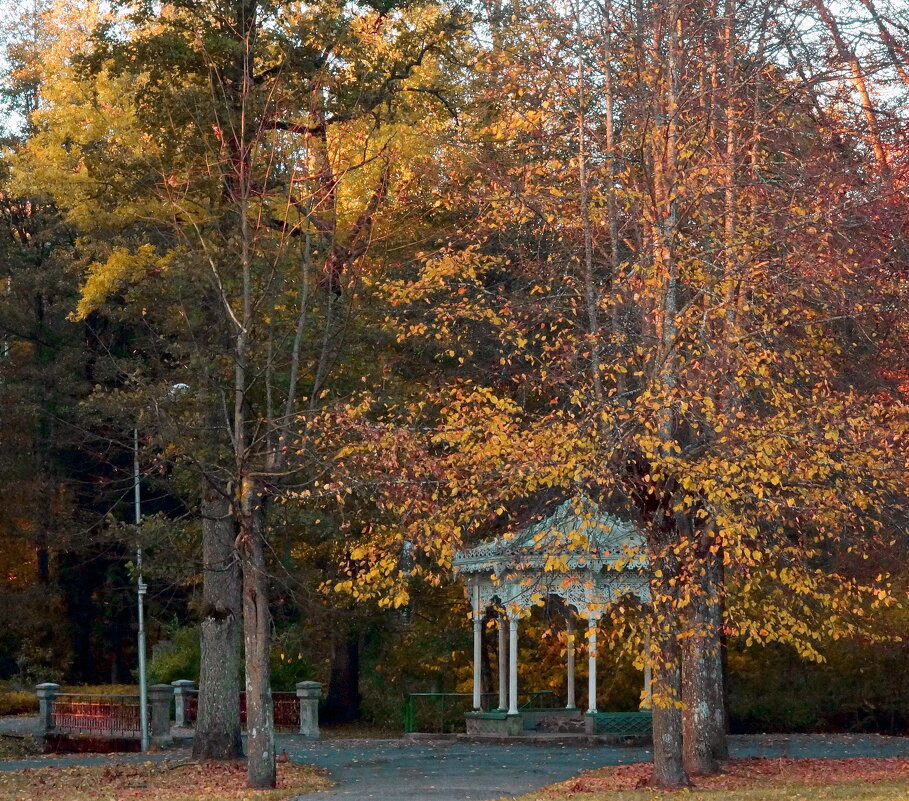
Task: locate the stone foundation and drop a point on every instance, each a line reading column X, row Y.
column 499, row 724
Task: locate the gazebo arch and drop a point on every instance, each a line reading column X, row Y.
column 581, row 554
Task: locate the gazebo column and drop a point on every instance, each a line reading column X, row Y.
column 513, row 665
column 592, row 664
column 503, row 663
column 477, row 647
column 477, row 660
column 569, row 658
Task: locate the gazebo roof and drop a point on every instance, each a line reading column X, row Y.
column 581, row 553
column 577, row 535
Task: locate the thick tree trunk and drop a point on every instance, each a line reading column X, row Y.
column 666, row 657
column 698, row 648
column 704, row 716
column 668, row 767
column 260, row 743
column 217, row 734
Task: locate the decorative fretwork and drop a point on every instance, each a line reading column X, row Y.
column 586, row 557
column 623, row 724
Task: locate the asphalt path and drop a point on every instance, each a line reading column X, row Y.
column 447, row 771
column 394, row 770
column 406, row 770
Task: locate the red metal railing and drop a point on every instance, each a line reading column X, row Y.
column 111, row 715
column 191, row 707
column 286, row 709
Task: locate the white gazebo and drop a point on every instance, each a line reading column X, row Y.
column 580, row 554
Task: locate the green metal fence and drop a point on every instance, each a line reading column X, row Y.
column 624, row 724
column 443, row 713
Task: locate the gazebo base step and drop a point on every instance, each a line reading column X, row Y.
column 540, row 738
column 632, row 728
column 496, row 724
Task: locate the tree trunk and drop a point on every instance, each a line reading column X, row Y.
column 260, row 744
column 217, row 734
column 668, row 766
column 698, row 647
column 857, row 79
column 703, row 716
column 666, row 658
column 343, row 702
column 718, row 722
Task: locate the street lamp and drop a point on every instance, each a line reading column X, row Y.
column 175, row 392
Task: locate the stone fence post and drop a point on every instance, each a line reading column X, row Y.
column 309, row 693
column 182, row 688
column 46, row 693
column 159, row 698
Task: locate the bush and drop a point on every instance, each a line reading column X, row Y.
column 102, row 689
column 290, row 661
column 18, row 702
column 177, row 658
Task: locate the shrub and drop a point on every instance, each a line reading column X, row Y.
column 18, row 702
column 178, row 658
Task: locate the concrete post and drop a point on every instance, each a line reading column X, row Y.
column 46, row 693
column 309, row 693
column 182, row 688
column 159, row 698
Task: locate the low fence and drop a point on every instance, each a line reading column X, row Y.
column 621, row 725
column 117, row 717
column 105, row 715
column 286, row 707
column 443, row 713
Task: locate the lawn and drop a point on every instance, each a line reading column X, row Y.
column 18, row 747
column 748, row 780
column 186, row 781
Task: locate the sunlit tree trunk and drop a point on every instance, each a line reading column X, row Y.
column 859, row 84
column 899, row 57
column 669, row 771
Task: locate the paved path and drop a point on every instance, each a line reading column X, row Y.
column 19, row 725
column 392, row 770
column 401, row 770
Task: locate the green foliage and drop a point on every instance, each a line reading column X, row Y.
column 856, row 689
column 177, row 658
column 290, row 659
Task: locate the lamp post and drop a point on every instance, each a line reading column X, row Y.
column 140, row 599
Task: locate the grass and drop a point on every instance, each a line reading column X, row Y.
column 861, row 779
column 847, row 791
column 357, row 731
column 186, row 781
